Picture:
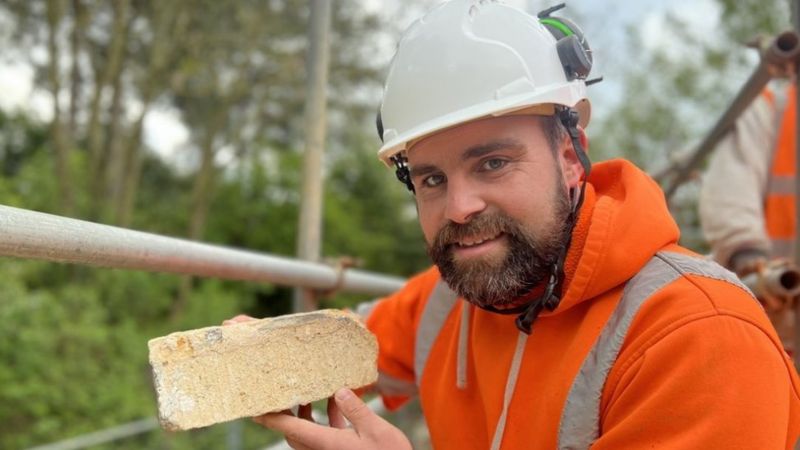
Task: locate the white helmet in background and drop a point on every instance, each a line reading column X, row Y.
column 468, row 59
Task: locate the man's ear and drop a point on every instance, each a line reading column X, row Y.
column 570, row 164
column 584, row 140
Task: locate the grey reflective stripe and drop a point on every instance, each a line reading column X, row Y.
column 364, row 309
column 580, row 423
column 580, row 419
column 780, row 185
column 389, row 385
column 438, row 307
column 690, row 265
column 782, row 248
column 781, row 104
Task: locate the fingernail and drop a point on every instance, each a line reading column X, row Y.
column 344, row 394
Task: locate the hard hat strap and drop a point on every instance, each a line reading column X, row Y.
column 553, row 291
column 551, row 296
column 569, row 118
column 401, row 171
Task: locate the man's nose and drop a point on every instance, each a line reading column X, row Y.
column 463, row 201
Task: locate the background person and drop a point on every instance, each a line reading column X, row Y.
column 747, row 207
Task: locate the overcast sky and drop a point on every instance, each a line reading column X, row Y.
column 607, row 23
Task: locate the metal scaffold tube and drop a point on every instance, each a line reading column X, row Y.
column 309, row 229
column 103, row 436
column 35, row 235
column 784, row 49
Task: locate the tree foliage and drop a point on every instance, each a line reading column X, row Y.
column 679, row 88
column 74, row 342
column 74, row 338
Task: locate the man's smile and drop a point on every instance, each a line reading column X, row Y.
column 478, row 247
column 473, row 241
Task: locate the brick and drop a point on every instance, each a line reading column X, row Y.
column 222, row 373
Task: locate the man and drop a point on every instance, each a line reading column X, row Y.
column 561, row 313
column 750, row 223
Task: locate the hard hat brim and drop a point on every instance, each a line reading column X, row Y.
column 394, row 144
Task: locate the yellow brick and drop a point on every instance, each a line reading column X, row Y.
column 217, row 374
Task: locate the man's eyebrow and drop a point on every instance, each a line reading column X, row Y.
column 481, row 149
column 421, row 170
column 475, row 151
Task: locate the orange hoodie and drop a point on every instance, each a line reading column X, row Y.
column 697, row 365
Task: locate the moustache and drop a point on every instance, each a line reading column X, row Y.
column 483, row 225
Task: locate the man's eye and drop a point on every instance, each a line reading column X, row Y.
column 493, row 164
column 433, row 180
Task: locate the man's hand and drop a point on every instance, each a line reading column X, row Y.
column 747, row 261
column 774, row 282
column 786, row 71
column 369, row 431
column 777, row 285
column 238, row 319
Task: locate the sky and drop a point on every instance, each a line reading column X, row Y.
column 609, row 25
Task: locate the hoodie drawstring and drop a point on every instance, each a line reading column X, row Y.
column 511, row 383
column 463, row 349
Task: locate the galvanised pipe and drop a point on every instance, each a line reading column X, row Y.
column 36, row 235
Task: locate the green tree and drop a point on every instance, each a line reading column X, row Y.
column 76, row 337
column 675, row 93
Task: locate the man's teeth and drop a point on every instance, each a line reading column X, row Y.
column 477, row 242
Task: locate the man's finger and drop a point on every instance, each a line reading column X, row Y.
column 304, row 412
column 354, row 409
column 301, row 432
column 238, row 319
column 335, row 417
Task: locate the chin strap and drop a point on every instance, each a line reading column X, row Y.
column 551, row 296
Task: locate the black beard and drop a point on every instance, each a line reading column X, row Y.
column 486, row 282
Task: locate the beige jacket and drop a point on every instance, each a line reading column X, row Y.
column 734, row 185
column 734, row 188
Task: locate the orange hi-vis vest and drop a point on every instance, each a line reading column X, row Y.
column 652, row 346
column 779, row 205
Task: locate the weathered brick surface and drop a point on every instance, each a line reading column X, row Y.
column 217, row 374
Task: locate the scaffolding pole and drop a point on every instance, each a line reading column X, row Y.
column 309, row 233
column 35, row 235
column 103, row 436
column 150, row 424
column 784, row 49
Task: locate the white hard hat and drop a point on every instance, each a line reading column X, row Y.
column 468, row 59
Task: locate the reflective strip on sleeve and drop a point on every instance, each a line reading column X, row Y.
column 437, row 308
column 389, row 385
column 364, row 309
column 580, row 419
column 781, row 185
column 782, row 248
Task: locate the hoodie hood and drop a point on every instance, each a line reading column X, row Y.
column 623, row 222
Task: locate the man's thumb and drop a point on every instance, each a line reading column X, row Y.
column 353, row 408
